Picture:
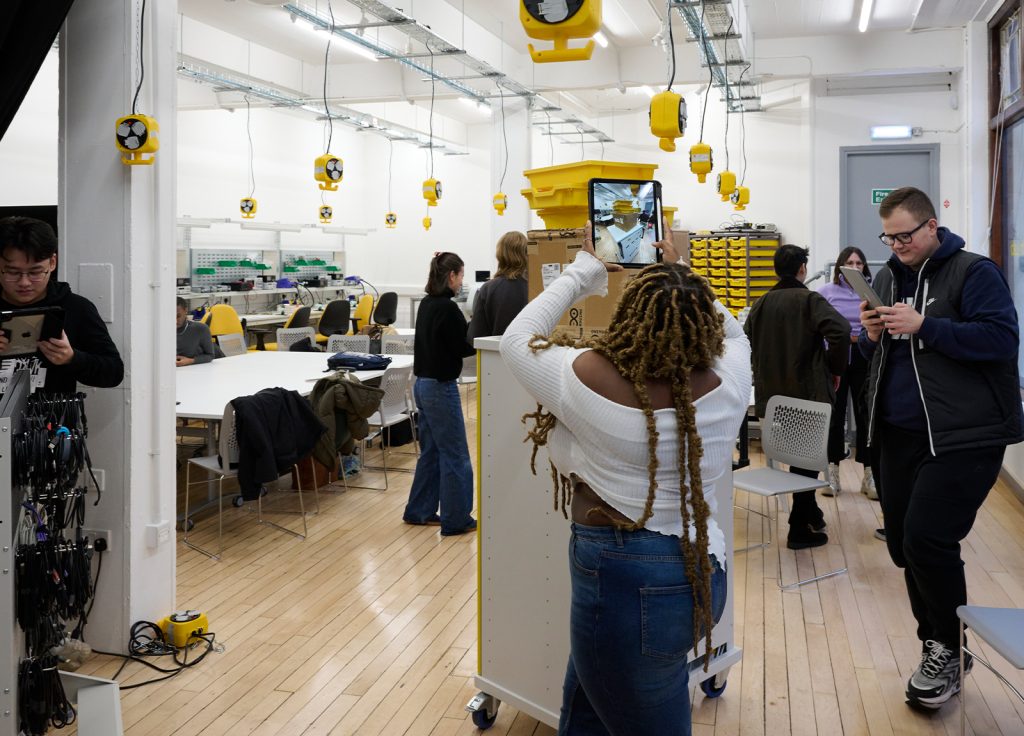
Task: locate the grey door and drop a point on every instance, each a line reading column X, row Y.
column 867, row 173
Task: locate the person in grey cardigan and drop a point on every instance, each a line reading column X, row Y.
column 499, row 300
column 194, row 342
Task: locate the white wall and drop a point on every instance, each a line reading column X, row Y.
column 28, row 151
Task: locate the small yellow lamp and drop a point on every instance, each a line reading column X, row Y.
column 701, row 162
column 668, row 119
column 328, row 170
column 247, row 206
column 136, row 136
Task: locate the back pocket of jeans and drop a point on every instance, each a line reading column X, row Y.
column 666, row 620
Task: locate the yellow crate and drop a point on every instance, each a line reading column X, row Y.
column 762, row 273
column 718, row 262
column 719, row 283
column 719, row 273
column 581, row 172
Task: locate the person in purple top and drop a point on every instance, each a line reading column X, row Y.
column 844, row 299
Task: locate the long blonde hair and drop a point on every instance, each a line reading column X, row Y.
column 511, row 253
column 664, row 326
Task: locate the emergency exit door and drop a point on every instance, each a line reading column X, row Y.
column 867, row 174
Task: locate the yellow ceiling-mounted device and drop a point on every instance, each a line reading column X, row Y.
column 328, row 170
column 390, row 220
column 326, row 213
column 740, row 198
column 668, row 119
column 427, row 222
column 726, row 184
column 247, row 206
column 182, row 628
column 558, row 21
column 136, row 136
column 701, row 162
column 500, row 202
column 432, row 191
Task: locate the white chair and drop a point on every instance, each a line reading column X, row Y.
column 394, row 409
column 348, row 344
column 286, row 337
column 394, row 345
column 1003, row 629
column 232, row 343
column 228, row 451
column 795, row 432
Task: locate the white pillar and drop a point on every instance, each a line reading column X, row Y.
column 117, row 248
column 517, row 133
column 974, row 101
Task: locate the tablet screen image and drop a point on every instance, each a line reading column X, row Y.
column 626, row 216
column 24, row 328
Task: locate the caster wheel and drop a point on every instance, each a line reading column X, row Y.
column 710, row 690
column 188, row 525
column 237, row 502
column 482, row 721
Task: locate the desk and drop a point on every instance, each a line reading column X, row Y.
column 259, row 320
column 203, row 390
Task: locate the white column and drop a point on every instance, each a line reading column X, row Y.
column 117, row 248
column 975, row 141
column 517, row 133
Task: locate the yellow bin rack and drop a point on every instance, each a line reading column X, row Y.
column 559, row 193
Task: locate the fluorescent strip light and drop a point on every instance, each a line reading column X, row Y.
column 601, row 39
column 890, row 132
column 865, row 14
column 646, row 89
column 344, row 43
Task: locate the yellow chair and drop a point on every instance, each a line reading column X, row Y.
column 361, row 317
column 298, row 318
column 222, row 319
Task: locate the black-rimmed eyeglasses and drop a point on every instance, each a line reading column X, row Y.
column 905, row 238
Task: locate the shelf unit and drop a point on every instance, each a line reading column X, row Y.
column 739, row 264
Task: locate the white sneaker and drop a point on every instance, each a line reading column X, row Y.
column 834, row 487
column 867, row 486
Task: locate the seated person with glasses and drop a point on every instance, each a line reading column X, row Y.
column 194, row 342
column 84, row 351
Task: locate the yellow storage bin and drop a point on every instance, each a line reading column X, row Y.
column 718, row 273
column 559, row 193
column 717, row 262
column 557, row 218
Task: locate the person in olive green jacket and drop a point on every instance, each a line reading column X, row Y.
column 800, row 348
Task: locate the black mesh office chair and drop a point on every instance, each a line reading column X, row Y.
column 387, row 309
column 300, row 318
column 334, row 320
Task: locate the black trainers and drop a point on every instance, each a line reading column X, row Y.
column 937, row 678
column 470, row 527
column 805, row 539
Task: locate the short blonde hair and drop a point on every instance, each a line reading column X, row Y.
column 511, row 254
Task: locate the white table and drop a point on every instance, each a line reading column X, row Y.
column 203, row 390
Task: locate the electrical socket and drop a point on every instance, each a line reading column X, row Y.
column 157, row 534
column 95, row 534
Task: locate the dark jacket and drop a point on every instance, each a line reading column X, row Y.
column 788, row 328
column 497, row 303
column 342, row 403
column 957, row 379
column 440, row 343
column 275, row 428
column 96, row 361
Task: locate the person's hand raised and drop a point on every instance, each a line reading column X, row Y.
column 667, row 245
column 588, row 247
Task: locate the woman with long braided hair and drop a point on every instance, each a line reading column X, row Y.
column 639, row 423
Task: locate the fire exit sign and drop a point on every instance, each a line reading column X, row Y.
column 877, row 195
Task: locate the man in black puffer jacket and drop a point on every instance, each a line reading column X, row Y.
column 944, row 402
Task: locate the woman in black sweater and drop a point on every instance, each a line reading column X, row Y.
column 444, row 475
column 503, row 297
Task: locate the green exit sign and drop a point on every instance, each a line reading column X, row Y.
column 877, row 195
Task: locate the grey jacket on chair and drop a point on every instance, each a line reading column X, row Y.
column 343, row 403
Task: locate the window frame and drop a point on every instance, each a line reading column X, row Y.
column 999, row 121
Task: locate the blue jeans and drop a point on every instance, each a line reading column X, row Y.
column 444, row 475
column 630, row 630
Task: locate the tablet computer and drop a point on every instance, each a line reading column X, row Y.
column 859, row 284
column 24, row 328
column 626, row 217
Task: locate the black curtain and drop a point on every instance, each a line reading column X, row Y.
column 27, row 31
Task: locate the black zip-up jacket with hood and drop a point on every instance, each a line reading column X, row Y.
column 957, row 379
column 96, row 361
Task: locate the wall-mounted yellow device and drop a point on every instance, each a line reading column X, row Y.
column 390, row 220
column 741, row 198
column 558, row 21
column 136, row 136
column 701, row 162
column 181, row 628
column 500, row 202
column 247, row 206
column 427, row 222
column 326, row 213
column 668, row 119
column 432, row 191
column 328, row 170
column 726, row 184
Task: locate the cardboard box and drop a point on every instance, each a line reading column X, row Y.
column 550, row 251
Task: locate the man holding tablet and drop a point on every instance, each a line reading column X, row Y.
column 943, row 404
column 83, row 351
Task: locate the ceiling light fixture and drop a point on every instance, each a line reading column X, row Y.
column 601, row 39
column 865, row 14
column 646, row 89
column 344, row 43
